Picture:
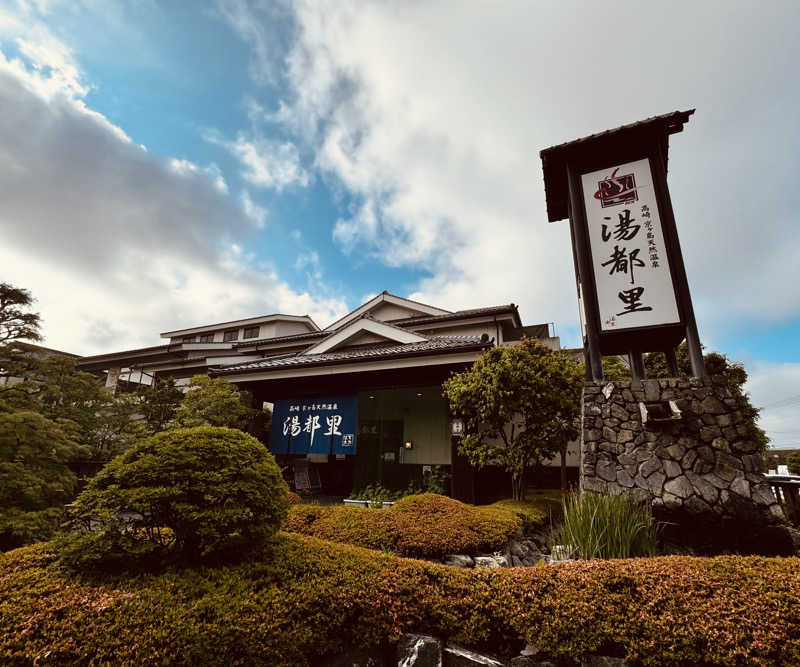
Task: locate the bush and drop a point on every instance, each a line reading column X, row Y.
column 185, row 494
column 311, row 600
column 605, row 526
column 294, row 498
column 425, row 525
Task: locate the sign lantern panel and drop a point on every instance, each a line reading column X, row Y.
column 314, row 426
column 629, row 256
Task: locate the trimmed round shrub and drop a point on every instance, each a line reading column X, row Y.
column 426, row 525
column 188, row 494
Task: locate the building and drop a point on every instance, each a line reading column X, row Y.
column 36, row 353
column 355, row 403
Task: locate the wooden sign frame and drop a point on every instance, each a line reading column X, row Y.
column 563, row 166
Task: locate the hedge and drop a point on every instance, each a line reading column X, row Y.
column 424, row 525
column 310, row 599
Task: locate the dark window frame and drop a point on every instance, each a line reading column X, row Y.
column 207, row 338
column 230, row 336
column 251, row 329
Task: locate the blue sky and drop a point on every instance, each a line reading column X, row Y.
column 164, row 164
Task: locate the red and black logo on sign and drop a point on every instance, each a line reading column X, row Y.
column 616, row 190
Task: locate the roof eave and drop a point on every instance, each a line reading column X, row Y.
column 358, row 360
column 554, row 157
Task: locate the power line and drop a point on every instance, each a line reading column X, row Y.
column 789, row 400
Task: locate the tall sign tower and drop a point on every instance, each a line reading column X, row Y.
column 632, row 289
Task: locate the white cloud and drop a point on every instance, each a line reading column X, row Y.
column 776, row 387
column 256, row 213
column 310, row 262
column 266, row 163
column 431, row 117
column 212, row 171
column 117, row 244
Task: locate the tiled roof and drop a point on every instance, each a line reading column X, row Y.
column 459, row 314
column 365, row 353
column 405, row 322
column 311, row 335
column 554, row 158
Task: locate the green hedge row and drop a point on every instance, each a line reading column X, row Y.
column 310, row 599
column 424, row 525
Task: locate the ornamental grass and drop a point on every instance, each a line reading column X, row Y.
column 606, row 526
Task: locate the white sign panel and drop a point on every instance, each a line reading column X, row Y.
column 631, row 270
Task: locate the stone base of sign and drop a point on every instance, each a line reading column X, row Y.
column 694, row 460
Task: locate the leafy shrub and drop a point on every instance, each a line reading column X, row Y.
column 434, row 482
column 313, row 599
column 189, row 494
column 425, row 525
column 294, row 498
column 607, row 526
column 376, row 493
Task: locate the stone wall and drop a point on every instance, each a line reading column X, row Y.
column 701, row 472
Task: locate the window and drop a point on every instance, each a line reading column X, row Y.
column 207, row 338
column 251, row 332
column 228, row 336
column 189, row 339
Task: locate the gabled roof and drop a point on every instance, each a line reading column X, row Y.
column 554, row 159
column 441, row 344
column 365, row 324
column 460, row 314
column 384, row 296
column 275, row 317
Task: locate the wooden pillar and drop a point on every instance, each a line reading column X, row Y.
column 672, row 362
column 637, row 364
column 594, row 358
column 659, row 171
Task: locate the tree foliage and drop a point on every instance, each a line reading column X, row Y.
column 35, row 480
column 16, row 322
column 213, row 402
column 614, row 369
column 187, row 494
column 793, row 463
column 159, row 403
column 519, row 406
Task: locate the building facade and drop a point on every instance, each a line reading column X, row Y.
column 356, row 403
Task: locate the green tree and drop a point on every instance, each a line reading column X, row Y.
column 213, row 402
column 55, row 388
column 159, row 403
column 35, row 481
column 519, row 406
column 614, row 369
column 16, row 322
column 793, row 462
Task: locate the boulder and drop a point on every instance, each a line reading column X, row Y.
column 419, row 651
column 680, row 486
column 459, row 560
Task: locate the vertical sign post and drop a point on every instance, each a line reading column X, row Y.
column 633, row 292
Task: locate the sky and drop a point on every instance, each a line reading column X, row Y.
column 170, row 164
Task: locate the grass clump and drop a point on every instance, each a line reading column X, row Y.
column 606, row 526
